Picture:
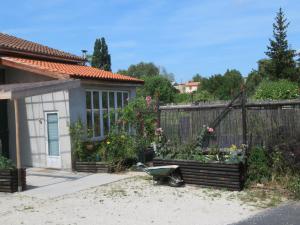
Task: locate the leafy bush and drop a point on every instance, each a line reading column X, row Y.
column 157, row 86
column 6, row 163
column 117, row 148
column 141, row 114
column 282, row 89
column 258, row 166
column 293, row 185
column 198, row 96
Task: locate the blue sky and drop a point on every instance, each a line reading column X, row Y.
column 186, row 37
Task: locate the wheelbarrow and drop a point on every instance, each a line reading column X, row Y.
column 170, row 174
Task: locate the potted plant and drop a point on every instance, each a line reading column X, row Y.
column 9, row 176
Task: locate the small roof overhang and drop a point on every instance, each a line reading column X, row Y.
column 21, row 90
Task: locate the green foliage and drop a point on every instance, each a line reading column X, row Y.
column 253, row 80
column 141, row 69
column 282, row 89
column 77, row 137
column 83, row 148
column 258, row 166
column 117, row 148
column 198, row 96
column 158, row 86
column 141, row 114
column 223, row 87
column 198, row 78
column 6, row 163
column 193, row 150
column 293, row 185
column 101, row 58
column 283, row 65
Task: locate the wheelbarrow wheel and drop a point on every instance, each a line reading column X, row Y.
column 175, row 180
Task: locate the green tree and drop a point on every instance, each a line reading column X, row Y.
column 158, row 86
column 198, row 78
column 253, row 80
column 283, row 64
column 141, row 69
column 101, row 58
column 212, row 84
column 223, row 87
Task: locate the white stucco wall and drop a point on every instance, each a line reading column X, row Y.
column 32, row 122
column 33, row 128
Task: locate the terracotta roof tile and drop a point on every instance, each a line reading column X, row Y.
column 73, row 70
column 17, row 44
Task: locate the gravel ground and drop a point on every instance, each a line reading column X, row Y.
column 130, row 201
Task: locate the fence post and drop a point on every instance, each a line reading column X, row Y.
column 244, row 116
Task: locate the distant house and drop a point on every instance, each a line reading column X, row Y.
column 188, row 87
column 48, row 89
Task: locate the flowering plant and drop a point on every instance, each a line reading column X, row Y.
column 116, row 148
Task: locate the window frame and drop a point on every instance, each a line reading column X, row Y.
column 101, row 110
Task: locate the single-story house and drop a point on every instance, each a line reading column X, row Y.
column 188, row 87
column 42, row 91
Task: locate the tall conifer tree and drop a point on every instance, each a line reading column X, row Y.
column 101, row 58
column 282, row 57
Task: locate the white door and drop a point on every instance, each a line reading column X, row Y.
column 53, row 151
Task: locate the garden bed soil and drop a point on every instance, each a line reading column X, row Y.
column 92, row 167
column 9, row 180
column 219, row 175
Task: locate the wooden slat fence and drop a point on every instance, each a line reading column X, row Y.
column 266, row 121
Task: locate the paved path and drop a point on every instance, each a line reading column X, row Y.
column 46, row 184
column 288, row 214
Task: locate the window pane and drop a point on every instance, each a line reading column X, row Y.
column 104, row 100
column 52, row 128
column 96, row 99
column 88, row 100
column 96, row 123
column 125, row 98
column 105, row 122
column 119, row 99
column 111, row 100
column 89, row 119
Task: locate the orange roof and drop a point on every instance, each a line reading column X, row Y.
column 62, row 70
column 20, row 46
column 192, row 83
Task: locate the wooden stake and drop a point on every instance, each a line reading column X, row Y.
column 18, row 155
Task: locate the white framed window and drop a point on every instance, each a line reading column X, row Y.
column 102, row 110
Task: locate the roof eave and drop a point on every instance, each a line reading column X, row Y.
column 29, row 54
column 137, row 83
column 19, row 66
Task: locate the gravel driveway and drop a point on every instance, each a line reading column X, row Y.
column 130, row 201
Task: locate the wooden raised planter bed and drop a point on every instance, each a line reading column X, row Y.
column 9, row 180
column 219, row 175
column 92, row 167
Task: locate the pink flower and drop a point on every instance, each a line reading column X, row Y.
column 148, row 100
column 210, row 129
column 159, row 131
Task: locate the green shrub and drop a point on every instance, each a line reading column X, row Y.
column 200, row 95
column 117, row 148
column 258, row 166
column 275, row 90
column 293, row 185
column 6, row 163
